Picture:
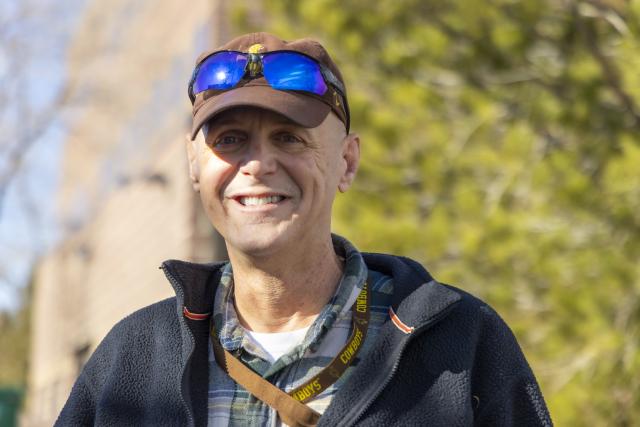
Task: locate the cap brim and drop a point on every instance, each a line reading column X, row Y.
column 302, row 109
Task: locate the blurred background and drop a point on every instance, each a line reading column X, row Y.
column 501, row 148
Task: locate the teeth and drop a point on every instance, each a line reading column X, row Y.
column 257, row 201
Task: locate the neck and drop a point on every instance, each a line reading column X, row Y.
column 284, row 293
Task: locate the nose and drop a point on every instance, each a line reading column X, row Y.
column 259, row 160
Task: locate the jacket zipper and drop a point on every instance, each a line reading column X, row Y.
column 180, row 294
column 416, row 332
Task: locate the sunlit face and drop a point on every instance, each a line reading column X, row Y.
column 268, row 184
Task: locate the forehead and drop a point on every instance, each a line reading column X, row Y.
column 248, row 116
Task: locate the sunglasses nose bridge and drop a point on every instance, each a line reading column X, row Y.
column 254, row 65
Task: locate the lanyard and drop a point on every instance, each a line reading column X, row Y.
column 330, row 374
column 361, row 314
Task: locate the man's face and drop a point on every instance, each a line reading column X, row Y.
column 268, row 184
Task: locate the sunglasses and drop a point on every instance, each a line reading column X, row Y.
column 283, row 70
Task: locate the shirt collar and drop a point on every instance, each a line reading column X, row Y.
column 231, row 333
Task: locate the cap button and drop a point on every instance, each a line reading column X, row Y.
column 255, row 48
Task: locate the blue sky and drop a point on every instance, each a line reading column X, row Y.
column 27, row 220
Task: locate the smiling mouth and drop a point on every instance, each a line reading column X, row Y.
column 259, row 200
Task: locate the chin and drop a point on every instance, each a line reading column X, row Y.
column 257, row 242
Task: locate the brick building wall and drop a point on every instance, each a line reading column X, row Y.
column 123, row 226
column 109, row 269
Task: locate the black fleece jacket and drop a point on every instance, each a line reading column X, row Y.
column 447, row 359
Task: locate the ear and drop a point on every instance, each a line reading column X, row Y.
column 351, row 157
column 192, row 156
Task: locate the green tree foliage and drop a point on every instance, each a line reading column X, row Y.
column 500, row 147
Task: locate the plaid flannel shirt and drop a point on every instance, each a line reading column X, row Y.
column 229, row 404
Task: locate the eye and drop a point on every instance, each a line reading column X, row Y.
column 288, row 138
column 228, row 141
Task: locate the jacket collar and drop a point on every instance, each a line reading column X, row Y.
column 429, row 299
column 193, row 283
column 195, row 286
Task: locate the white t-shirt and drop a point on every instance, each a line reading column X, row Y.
column 276, row 344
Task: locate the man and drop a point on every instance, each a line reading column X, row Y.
column 315, row 330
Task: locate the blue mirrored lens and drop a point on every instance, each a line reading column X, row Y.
column 292, row 71
column 222, row 70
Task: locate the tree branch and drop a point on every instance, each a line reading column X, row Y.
column 20, row 148
column 609, row 71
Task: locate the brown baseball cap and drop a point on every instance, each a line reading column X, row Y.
column 305, row 108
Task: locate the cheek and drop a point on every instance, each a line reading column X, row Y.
column 215, row 176
column 322, row 172
column 308, row 172
column 329, row 168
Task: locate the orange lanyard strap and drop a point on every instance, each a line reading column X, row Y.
column 361, row 313
column 290, row 411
